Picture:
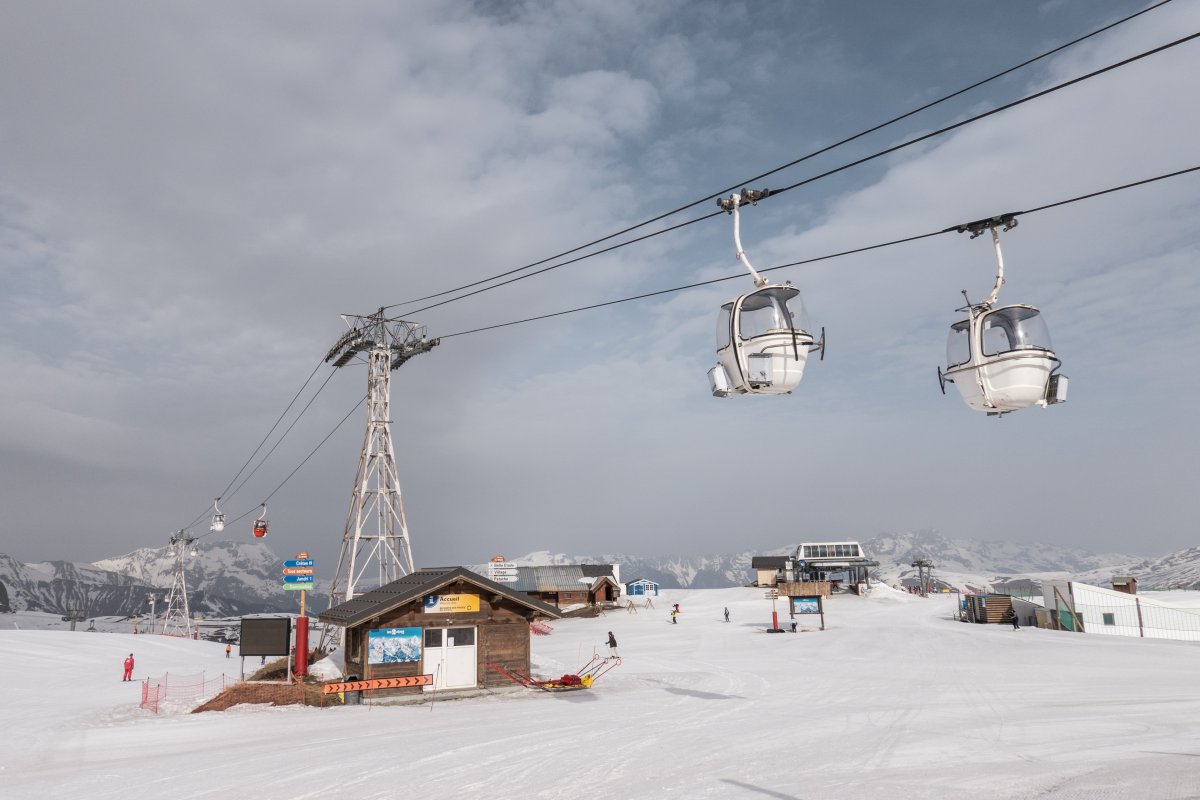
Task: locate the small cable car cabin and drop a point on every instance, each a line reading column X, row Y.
column 760, row 350
column 260, row 528
column 1001, row 360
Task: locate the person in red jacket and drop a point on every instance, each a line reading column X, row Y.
column 128, row 668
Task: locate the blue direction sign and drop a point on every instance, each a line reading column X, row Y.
column 297, row 578
column 299, row 562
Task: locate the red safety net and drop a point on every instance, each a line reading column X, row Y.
column 187, row 689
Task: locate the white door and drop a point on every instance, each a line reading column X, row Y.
column 450, row 658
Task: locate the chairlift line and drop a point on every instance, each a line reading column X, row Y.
column 768, row 173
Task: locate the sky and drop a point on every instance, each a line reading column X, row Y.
column 191, row 195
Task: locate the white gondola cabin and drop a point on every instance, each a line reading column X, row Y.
column 762, row 346
column 1001, row 359
column 218, row 519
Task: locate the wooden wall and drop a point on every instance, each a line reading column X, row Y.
column 502, row 637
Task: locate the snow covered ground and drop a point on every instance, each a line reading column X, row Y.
column 895, row 699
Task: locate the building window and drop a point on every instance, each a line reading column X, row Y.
column 1110, row 619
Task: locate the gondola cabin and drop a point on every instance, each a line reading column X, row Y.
column 1001, row 360
column 760, row 348
column 260, row 528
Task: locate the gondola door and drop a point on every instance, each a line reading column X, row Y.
column 450, row 657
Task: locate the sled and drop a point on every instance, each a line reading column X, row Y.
column 584, row 678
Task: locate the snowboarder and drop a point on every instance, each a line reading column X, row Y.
column 612, row 645
column 727, row 614
column 677, row 608
column 674, row 617
column 1013, row 616
column 227, row 649
column 128, row 668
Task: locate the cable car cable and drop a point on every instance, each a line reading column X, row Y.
column 782, row 167
column 842, row 168
column 742, row 276
column 279, row 419
column 350, row 413
column 283, row 436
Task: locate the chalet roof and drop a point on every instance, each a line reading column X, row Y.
column 642, row 580
column 768, row 562
column 415, row 586
column 597, row 570
column 1124, row 579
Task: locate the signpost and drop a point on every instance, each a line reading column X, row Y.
column 501, row 571
column 298, row 577
column 773, row 595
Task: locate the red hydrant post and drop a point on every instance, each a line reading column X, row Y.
column 301, row 667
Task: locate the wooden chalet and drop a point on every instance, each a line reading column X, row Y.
column 768, row 570
column 447, row 622
column 564, row 586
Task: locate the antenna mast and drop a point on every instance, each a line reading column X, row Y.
column 177, row 620
column 375, row 543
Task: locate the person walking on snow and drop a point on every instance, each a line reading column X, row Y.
column 1016, row 626
column 128, row 668
column 612, row 645
column 727, row 614
column 227, row 649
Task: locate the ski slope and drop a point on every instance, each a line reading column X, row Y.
column 894, row 699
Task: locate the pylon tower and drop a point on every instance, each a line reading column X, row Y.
column 177, row 619
column 376, row 548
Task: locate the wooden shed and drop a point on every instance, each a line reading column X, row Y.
column 642, row 587
column 988, row 608
column 447, row 622
column 1124, row 583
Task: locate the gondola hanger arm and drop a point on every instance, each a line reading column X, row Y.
column 731, row 204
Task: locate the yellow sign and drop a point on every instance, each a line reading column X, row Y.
column 451, row 603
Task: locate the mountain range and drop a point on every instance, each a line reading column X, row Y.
column 236, row 578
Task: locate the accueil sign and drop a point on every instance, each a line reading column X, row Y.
column 451, row 603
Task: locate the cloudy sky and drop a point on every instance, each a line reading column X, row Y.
column 192, row 193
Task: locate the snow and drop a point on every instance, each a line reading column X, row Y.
column 894, row 699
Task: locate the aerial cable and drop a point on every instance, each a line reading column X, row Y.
column 279, row 419
column 253, row 510
column 834, row 171
column 283, row 436
column 780, row 168
column 802, row 262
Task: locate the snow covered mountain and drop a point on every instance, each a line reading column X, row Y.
column 225, row 579
column 233, row 578
column 965, row 563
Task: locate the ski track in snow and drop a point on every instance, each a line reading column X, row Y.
column 894, row 698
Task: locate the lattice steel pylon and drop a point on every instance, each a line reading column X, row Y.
column 375, row 542
column 177, row 619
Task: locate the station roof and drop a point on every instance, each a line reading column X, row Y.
column 418, row 584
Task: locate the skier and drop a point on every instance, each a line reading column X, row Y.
column 128, row 668
column 227, row 649
column 1016, row 626
column 612, row 645
column 677, row 608
column 727, row 614
column 674, row 617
